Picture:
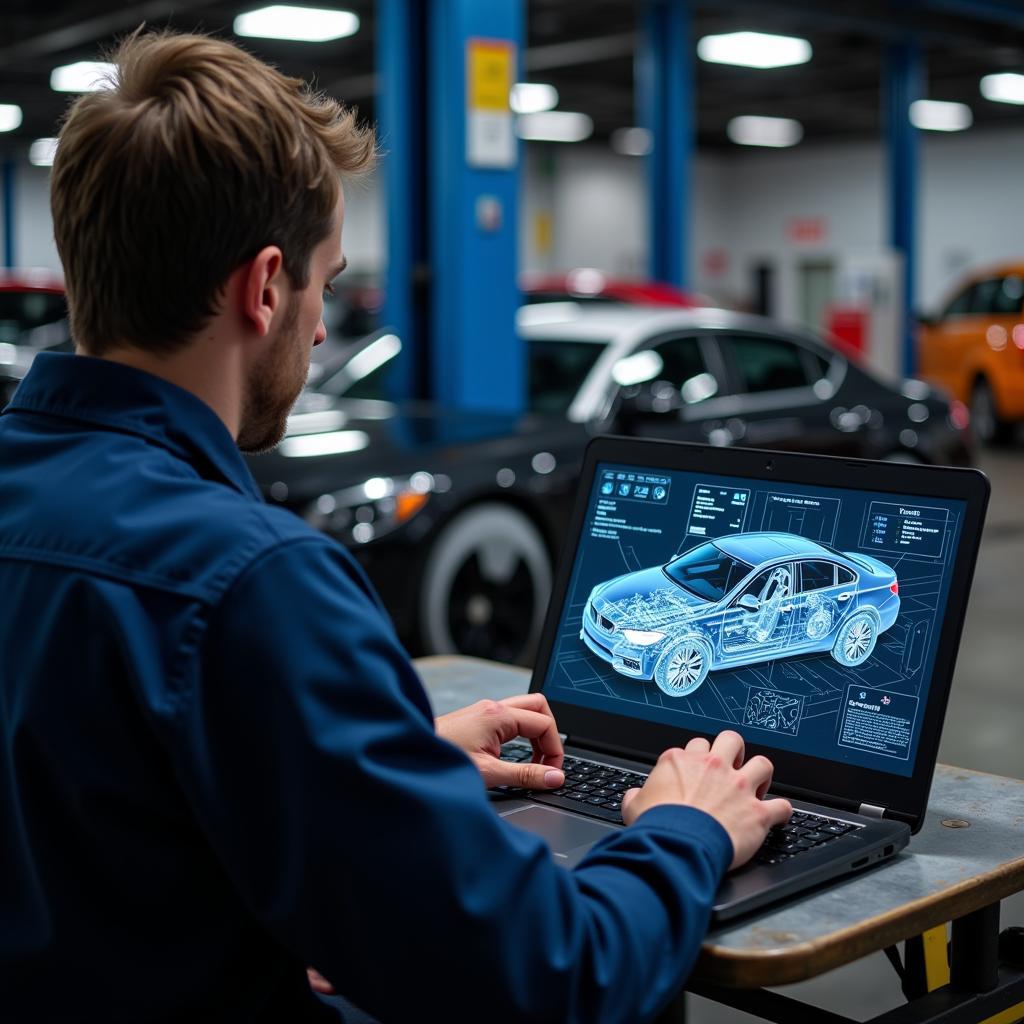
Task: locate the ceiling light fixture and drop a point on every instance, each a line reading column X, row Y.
column 754, row 50
column 1003, row 88
column 632, row 141
column 940, row 116
column 533, row 97
column 10, row 117
column 303, row 24
column 777, row 132
column 554, row 126
column 42, row 152
column 82, row 76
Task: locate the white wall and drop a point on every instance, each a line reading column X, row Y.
column 745, row 203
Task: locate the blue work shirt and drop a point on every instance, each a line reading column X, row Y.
column 219, row 765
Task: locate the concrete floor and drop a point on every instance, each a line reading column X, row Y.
column 983, row 726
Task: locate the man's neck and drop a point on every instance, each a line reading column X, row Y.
column 208, row 368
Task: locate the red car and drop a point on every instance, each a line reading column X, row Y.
column 586, row 284
column 33, row 316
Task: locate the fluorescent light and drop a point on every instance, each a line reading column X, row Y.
column 939, row 116
column 632, row 141
column 554, row 126
column 533, row 97
column 10, row 117
column 308, row 24
column 1004, row 88
column 764, row 131
column 754, row 50
column 42, row 152
column 83, row 76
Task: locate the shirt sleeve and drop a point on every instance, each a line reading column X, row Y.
column 367, row 845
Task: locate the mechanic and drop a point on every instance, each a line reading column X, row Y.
column 219, row 764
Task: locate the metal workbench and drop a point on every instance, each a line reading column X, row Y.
column 968, row 856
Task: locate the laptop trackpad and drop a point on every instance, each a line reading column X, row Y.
column 568, row 836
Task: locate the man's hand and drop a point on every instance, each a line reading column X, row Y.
column 712, row 777
column 481, row 729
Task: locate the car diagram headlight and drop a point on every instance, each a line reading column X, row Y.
column 642, row 637
column 359, row 514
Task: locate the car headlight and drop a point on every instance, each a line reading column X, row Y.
column 642, row 637
column 360, row 514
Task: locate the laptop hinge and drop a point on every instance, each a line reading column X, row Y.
column 871, row 811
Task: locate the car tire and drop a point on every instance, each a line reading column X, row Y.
column 683, row 667
column 988, row 426
column 485, row 586
column 856, row 639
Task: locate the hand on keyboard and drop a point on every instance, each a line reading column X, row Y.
column 714, row 778
column 481, row 729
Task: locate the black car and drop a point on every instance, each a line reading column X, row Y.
column 458, row 518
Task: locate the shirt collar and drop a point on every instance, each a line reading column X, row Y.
column 116, row 397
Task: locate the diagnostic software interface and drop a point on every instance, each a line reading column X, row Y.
column 805, row 617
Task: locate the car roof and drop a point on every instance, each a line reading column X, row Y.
column 755, row 548
column 579, row 321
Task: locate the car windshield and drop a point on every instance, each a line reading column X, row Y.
column 707, row 572
column 557, row 369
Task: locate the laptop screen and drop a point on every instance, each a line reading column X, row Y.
column 805, row 617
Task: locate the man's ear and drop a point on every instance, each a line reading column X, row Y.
column 261, row 284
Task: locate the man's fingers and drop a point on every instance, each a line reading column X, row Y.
column 698, row 745
column 541, row 731
column 525, row 776
column 318, row 983
column 758, row 772
column 627, row 799
column 729, row 747
column 779, row 811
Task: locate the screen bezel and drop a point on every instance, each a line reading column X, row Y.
column 902, row 797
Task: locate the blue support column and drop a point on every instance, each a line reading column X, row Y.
column 665, row 102
column 904, row 77
column 401, row 126
column 7, row 173
column 476, row 358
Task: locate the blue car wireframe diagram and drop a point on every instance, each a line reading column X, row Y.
column 738, row 600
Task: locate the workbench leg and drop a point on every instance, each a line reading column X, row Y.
column 925, row 963
column 975, row 950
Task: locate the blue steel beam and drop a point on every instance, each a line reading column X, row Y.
column 903, row 83
column 665, row 100
column 477, row 359
column 401, row 120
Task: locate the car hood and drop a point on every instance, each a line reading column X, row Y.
column 336, row 443
column 645, row 599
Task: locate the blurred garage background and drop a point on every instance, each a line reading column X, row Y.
column 786, row 224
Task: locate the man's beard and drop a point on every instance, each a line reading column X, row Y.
column 273, row 386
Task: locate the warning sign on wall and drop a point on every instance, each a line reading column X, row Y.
column 490, row 129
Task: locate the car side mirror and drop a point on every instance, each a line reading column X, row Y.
column 750, row 603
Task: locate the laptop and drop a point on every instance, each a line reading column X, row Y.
column 813, row 604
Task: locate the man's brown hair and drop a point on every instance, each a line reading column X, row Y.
column 198, row 156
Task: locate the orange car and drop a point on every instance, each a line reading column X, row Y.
column 975, row 350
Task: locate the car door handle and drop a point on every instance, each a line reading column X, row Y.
column 845, row 596
column 786, row 608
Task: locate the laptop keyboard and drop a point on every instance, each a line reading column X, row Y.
column 595, row 790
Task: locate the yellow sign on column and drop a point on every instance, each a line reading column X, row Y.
column 490, row 130
column 490, row 74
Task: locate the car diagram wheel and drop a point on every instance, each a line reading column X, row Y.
column 683, row 667
column 856, row 640
column 486, row 585
column 989, row 427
